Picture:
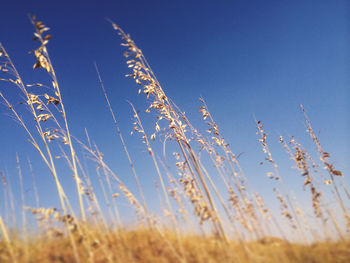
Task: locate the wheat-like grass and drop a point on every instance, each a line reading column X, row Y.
column 215, row 214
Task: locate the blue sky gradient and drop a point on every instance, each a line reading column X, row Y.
column 247, row 59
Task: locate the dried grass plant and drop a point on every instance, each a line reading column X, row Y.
column 207, row 215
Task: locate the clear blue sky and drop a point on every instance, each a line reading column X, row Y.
column 246, row 58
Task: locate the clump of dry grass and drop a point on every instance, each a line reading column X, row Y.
column 208, row 223
column 142, row 245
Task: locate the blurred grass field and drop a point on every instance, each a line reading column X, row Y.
column 209, row 212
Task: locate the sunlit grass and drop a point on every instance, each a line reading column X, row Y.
column 207, row 215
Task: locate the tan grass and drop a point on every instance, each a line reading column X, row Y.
column 209, row 223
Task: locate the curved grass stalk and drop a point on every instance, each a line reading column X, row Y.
column 44, row 61
column 144, row 76
column 125, row 150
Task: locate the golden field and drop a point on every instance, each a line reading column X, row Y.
column 206, row 216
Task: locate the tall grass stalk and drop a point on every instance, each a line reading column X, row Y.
column 7, row 240
column 125, row 149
